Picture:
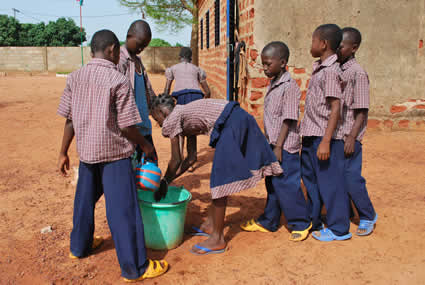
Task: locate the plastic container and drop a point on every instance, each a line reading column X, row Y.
column 164, row 220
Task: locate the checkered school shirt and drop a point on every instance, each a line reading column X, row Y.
column 99, row 100
column 282, row 103
column 127, row 67
column 356, row 96
column 186, row 76
column 324, row 82
column 195, row 118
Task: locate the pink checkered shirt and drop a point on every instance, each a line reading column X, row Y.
column 195, row 118
column 324, row 82
column 282, row 103
column 99, row 100
column 186, row 76
column 356, row 96
column 127, row 67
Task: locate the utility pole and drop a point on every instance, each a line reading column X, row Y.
column 14, row 12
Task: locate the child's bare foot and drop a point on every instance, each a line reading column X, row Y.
column 211, row 245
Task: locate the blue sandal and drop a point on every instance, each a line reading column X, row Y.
column 366, row 225
column 206, row 250
column 328, row 235
column 198, row 232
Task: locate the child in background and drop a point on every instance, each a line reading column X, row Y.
column 138, row 38
column 100, row 111
column 322, row 156
column 281, row 113
column 187, row 78
column 354, row 122
column 242, row 155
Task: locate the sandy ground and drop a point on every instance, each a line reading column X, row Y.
column 33, row 195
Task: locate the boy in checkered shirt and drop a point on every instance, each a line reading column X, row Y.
column 322, row 156
column 281, row 113
column 353, row 127
column 100, row 112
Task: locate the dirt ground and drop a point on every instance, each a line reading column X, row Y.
column 33, row 195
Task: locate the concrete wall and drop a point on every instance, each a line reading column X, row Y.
column 67, row 59
column 392, row 50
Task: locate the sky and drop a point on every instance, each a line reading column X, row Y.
column 101, row 14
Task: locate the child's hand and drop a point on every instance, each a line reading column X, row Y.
column 63, row 164
column 149, row 152
column 323, row 151
column 162, row 191
column 349, row 144
column 278, row 153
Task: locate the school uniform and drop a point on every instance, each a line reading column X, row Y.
column 187, row 77
column 242, row 155
column 99, row 101
column 143, row 92
column 324, row 179
column 284, row 192
column 356, row 96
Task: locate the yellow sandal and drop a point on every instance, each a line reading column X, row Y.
column 300, row 235
column 253, row 226
column 155, row 269
column 97, row 242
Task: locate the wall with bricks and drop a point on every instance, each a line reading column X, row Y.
column 392, row 51
column 67, row 59
column 213, row 59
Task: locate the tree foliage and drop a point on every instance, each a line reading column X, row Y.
column 159, row 43
column 171, row 15
column 62, row 32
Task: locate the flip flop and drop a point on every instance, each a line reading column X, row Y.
column 152, row 271
column 97, row 242
column 302, row 234
column 367, row 225
column 327, row 235
column 206, row 250
column 253, row 226
column 198, row 232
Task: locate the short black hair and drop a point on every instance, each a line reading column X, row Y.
column 162, row 100
column 280, row 49
column 138, row 27
column 103, row 39
column 353, row 34
column 331, row 33
column 186, row 53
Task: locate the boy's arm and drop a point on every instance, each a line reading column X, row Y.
column 323, row 152
column 132, row 134
column 360, row 116
column 206, row 89
column 68, row 135
column 277, row 149
column 168, row 86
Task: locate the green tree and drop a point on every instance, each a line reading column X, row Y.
column 9, row 31
column 170, row 14
column 159, row 43
column 63, row 32
column 179, row 45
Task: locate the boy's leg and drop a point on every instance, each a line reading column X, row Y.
column 289, row 193
column 270, row 219
column 314, row 205
column 330, row 178
column 89, row 190
column 356, row 184
column 124, row 217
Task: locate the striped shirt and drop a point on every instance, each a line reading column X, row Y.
column 356, row 96
column 325, row 82
column 99, row 100
column 195, row 118
column 282, row 103
column 186, row 76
